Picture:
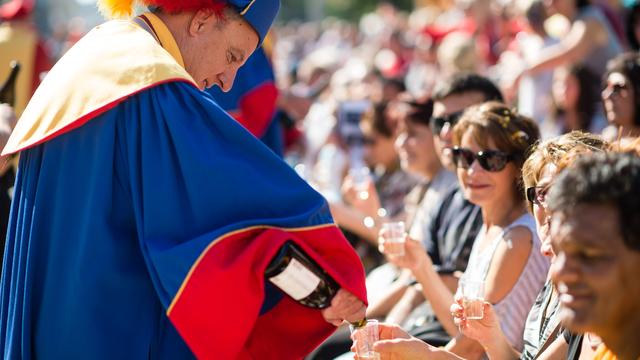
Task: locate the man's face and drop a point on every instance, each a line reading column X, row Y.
column 595, row 273
column 415, row 148
column 448, row 106
column 218, row 49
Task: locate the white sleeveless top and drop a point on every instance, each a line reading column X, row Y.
column 513, row 309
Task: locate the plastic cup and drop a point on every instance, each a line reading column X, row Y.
column 392, row 236
column 473, row 298
column 361, row 178
column 364, row 338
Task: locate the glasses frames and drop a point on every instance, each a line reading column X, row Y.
column 614, row 90
column 437, row 122
column 537, row 194
column 490, row 160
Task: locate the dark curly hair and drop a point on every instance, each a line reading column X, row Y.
column 602, row 179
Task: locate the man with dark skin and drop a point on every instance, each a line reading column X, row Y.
column 595, row 233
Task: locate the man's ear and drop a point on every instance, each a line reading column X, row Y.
column 200, row 20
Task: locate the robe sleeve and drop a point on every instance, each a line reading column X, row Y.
column 212, row 207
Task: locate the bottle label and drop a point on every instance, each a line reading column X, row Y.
column 296, row 280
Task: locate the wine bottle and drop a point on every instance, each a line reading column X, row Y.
column 8, row 89
column 300, row 277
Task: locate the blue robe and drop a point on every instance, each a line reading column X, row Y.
column 143, row 229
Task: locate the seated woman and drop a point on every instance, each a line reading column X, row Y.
column 542, row 335
column 491, row 143
column 542, row 330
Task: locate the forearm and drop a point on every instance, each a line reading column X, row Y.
column 500, row 349
column 385, row 304
column 549, row 60
column 450, row 281
column 443, row 354
column 575, row 46
column 411, row 298
column 353, row 221
column 466, row 348
column 439, row 296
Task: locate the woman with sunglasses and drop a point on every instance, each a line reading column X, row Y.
column 621, row 97
column 490, row 145
column 541, row 335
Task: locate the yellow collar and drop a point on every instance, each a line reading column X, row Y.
column 162, row 34
column 114, row 61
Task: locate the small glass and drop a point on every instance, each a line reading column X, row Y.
column 392, row 238
column 472, row 298
column 364, row 338
column 361, row 177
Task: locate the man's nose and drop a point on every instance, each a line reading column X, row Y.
column 230, row 77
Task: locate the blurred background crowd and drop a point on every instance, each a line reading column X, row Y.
column 452, row 116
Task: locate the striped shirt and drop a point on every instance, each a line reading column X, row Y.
column 513, row 309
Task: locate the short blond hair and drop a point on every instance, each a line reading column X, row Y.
column 560, row 151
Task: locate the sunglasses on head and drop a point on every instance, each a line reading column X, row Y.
column 613, row 89
column 490, row 160
column 437, row 122
column 537, row 194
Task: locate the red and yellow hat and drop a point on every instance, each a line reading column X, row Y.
column 260, row 14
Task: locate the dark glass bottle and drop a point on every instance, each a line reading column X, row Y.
column 300, row 277
column 8, row 89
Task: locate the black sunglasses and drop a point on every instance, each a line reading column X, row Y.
column 490, row 160
column 537, row 194
column 614, row 89
column 437, row 122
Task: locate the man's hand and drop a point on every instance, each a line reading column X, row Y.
column 344, row 306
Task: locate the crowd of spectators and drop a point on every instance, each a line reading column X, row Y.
column 465, row 114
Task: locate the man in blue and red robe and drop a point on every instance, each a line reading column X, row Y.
column 144, row 216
